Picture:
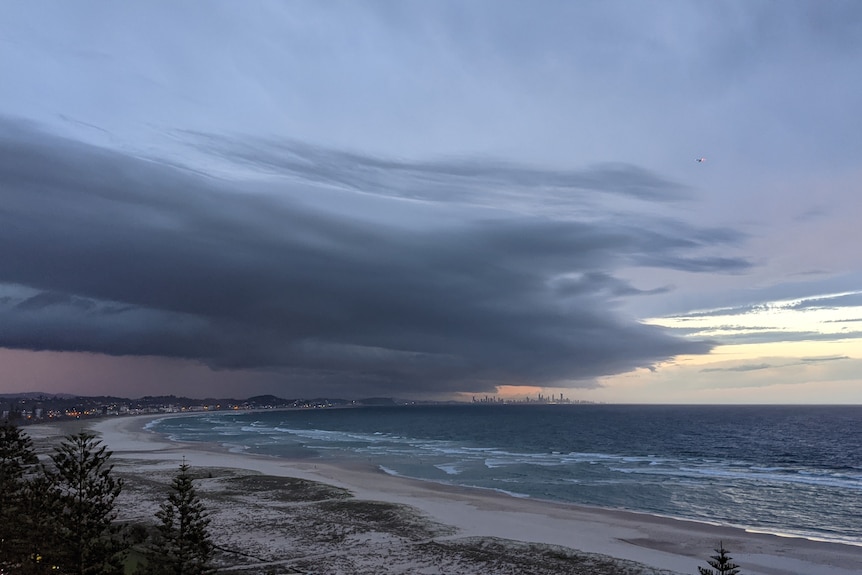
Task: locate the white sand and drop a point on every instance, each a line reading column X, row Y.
column 658, row 542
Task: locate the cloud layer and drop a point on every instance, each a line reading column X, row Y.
column 108, row 252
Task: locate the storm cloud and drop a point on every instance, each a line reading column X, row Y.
column 113, row 253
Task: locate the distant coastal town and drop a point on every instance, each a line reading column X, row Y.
column 40, row 407
column 541, row 398
column 36, row 407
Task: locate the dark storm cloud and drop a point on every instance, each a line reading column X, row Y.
column 121, row 255
column 599, row 282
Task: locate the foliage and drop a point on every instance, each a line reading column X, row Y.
column 721, row 562
column 80, row 499
column 184, row 545
column 37, row 521
column 17, row 459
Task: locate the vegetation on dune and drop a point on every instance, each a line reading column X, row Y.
column 721, row 563
column 80, row 499
column 183, row 545
column 59, row 517
column 17, row 459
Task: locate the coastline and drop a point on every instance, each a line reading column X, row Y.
column 657, row 542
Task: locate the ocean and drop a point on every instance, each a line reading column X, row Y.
column 786, row 470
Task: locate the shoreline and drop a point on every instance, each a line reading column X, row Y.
column 659, row 542
column 753, row 529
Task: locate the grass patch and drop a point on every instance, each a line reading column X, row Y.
column 284, row 489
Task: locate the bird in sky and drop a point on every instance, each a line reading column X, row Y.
column 700, row 160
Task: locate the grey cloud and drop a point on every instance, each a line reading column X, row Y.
column 762, row 366
column 805, row 303
column 754, row 299
column 735, row 331
column 48, row 299
column 97, row 328
column 837, row 301
column 695, row 264
column 824, row 358
column 739, row 310
column 465, row 181
column 741, row 368
column 741, row 328
column 597, row 282
column 130, row 256
column 771, row 335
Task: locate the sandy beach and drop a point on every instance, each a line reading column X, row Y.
column 278, row 516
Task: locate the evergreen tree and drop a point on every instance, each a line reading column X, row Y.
column 38, row 521
column 183, row 545
column 721, row 562
column 17, row 459
column 81, row 498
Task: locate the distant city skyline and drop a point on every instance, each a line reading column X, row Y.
column 433, row 200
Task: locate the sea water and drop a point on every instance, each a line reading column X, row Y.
column 787, row 470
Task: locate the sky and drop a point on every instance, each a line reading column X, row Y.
column 433, row 200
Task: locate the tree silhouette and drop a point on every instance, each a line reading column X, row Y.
column 721, row 562
column 183, row 545
column 80, row 498
column 17, row 459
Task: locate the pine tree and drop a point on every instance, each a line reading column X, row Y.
column 38, row 521
column 721, row 562
column 184, row 545
column 17, row 459
column 81, row 498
